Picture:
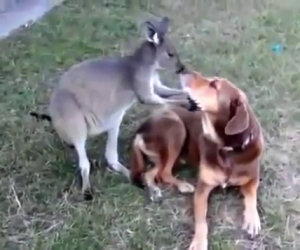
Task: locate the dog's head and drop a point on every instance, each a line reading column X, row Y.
column 218, row 98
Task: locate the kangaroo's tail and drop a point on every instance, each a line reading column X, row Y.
column 41, row 116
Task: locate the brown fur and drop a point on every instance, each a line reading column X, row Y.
column 151, row 142
column 224, row 140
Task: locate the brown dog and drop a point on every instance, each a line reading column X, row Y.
column 224, row 139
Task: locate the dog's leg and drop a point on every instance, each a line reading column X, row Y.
column 166, row 175
column 251, row 216
column 111, row 150
column 84, row 165
column 155, row 193
column 200, row 211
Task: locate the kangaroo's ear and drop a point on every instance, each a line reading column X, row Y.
column 164, row 25
column 151, row 33
column 240, row 121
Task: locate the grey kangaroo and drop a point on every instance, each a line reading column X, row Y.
column 93, row 96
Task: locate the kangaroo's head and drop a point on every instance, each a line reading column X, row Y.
column 165, row 54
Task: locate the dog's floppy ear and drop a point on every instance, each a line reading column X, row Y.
column 240, row 121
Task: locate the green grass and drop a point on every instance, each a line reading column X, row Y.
column 39, row 206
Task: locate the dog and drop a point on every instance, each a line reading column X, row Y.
column 223, row 139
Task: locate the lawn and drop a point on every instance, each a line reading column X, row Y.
column 40, row 208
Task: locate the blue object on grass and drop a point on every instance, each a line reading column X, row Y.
column 277, row 48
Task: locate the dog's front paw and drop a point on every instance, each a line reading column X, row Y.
column 185, row 187
column 198, row 245
column 251, row 222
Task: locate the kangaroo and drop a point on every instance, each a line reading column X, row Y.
column 93, row 96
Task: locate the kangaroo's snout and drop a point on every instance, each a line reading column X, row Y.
column 181, row 69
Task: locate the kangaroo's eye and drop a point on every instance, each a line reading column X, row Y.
column 170, row 54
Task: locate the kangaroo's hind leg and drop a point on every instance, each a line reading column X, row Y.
column 111, row 150
column 77, row 136
column 70, row 124
column 84, row 165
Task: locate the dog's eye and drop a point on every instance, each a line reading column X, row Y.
column 213, row 84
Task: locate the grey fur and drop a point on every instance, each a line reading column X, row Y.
column 93, row 96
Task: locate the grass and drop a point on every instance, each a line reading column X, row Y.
column 39, row 206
